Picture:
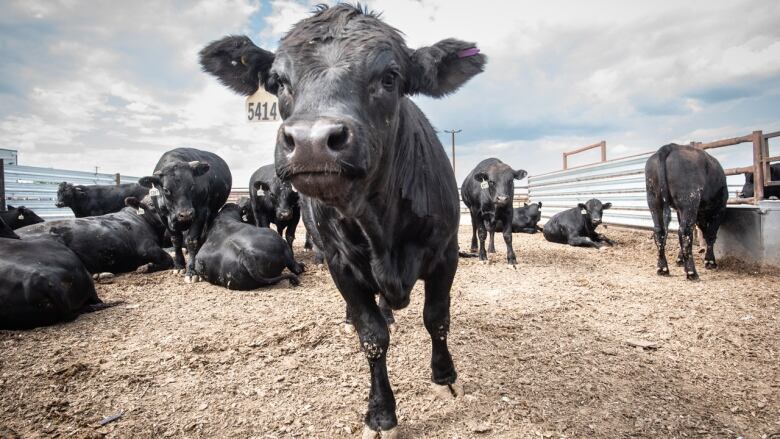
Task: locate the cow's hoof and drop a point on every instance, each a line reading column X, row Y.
column 348, row 328
column 663, row 271
column 177, row 271
column 679, row 262
column 368, row 433
column 448, row 391
column 710, row 265
column 474, row 250
column 192, row 279
column 483, row 261
column 692, row 275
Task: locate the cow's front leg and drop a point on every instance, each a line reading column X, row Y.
column 178, row 261
column 583, row 241
column 193, row 242
column 374, row 340
column 289, row 233
column 384, row 308
column 482, row 236
column 600, row 237
column 436, row 314
column 510, row 252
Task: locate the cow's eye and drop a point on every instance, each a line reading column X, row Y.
column 388, row 80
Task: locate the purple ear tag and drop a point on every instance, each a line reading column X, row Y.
column 468, row 52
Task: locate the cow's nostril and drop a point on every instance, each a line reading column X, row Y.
column 289, row 141
column 337, row 139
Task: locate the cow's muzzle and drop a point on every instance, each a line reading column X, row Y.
column 59, row 204
column 284, row 214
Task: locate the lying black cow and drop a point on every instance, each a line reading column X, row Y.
column 5, row 231
column 769, row 191
column 94, row 200
column 42, row 282
column 524, row 219
column 119, row 242
column 188, row 187
column 274, row 202
column 18, row 217
column 693, row 183
column 383, row 194
column 240, row 256
column 488, row 192
column 577, row 226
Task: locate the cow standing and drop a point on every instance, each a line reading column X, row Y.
column 274, row 201
column 769, row 191
column 577, row 226
column 488, row 192
column 18, row 217
column 95, row 200
column 189, row 187
column 42, row 282
column 383, row 195
column 693, row 183
column 118, row 242
column 240, row 256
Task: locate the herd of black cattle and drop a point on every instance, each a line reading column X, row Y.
column 360, row 164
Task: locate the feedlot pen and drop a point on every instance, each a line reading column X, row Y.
column 546, row 350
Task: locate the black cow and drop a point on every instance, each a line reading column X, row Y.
column 5, row 231
column 42, row 282
column 240, row 256
column 313, row 238
column 94, row 200
column 577, row 226
column 189, row 187
column 769, row 191
column 18, row 217
column 118, row 242
column 274, row 202
column 524, row 219
column 383, row 194
column 693, row 183
column 488, row 192
column 245, row 204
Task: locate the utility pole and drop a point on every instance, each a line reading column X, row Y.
column 453, row 132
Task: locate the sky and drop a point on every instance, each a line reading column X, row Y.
column 115, row 84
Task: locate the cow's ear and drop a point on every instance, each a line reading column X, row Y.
column 480, row 176
column 199, row 168
column 582, row 206
column 80, row 192
column 237, row 63
column 441, row 69
column 8, row 207
column 525, row 204
column 150, row 181
column 132, row 202
column 520, row 174
column 540, row 204
column 606, row 206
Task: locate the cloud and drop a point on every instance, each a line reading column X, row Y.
column 116, row 84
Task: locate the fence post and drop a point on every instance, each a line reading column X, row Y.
column 758, row 166
column 117, row 179
column 565, row 163
column 603, row 150
column 2, row 184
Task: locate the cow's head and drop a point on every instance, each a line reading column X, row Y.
column 24, row 216
column 500, row 181
column 593, row 210
column 146, row 209
column 534, row 211
column 280, row 194
column 68, row 194
column 176, row 185
column 340, row 77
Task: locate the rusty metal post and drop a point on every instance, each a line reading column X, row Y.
column 758, row 166
column 565, row 162
column 2, row 184
column 117, row 179
column 603, row 150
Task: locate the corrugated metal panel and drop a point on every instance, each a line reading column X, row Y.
column 36, row 187
column 620, row 182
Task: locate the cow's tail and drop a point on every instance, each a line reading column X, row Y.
column 93, row 307
column 663, row 184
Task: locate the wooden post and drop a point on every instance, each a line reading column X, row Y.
column 117, row 179
column 603, row 150
column 565, row 163
column 758, row 166
column 2, row 184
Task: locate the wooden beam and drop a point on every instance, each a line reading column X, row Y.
column 727, row 142
column 2, row 184
column 758, row 165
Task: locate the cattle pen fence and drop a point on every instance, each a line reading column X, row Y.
column 36, row 187
column 621, row 181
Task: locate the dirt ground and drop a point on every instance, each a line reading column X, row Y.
column 543, row 351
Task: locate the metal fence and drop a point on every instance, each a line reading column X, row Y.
column 36, row 187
